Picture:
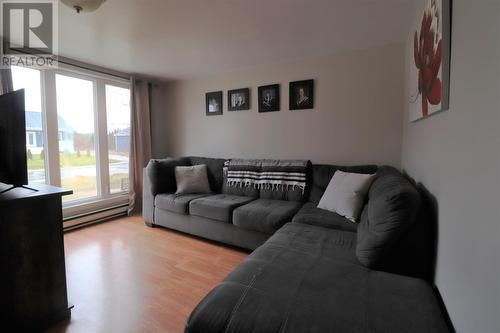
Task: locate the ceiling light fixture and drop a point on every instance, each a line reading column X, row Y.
column 83, row 5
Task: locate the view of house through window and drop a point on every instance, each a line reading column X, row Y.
column 81, row 112
column 118, row 125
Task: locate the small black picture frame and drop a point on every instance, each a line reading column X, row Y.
column 269, row 98
column 213, row 103
column 238, row 99
column 301, row 95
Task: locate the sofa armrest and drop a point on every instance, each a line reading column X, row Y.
column 148, row 199
column 161, row 174
column 159, row 177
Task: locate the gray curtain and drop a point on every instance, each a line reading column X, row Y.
column 6, row 81
column 140, row 140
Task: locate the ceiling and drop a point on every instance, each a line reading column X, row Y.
column 176, row 39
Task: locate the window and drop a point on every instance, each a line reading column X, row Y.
column 87, row 145
column 75, row 114
column 31, row 140
column 118, row 125
column 30, row 80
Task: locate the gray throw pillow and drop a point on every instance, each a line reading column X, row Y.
column 346, row 193
column 192, row 179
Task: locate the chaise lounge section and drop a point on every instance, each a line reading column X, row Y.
column 307, row 279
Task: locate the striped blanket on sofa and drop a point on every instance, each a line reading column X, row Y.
column 267, row 174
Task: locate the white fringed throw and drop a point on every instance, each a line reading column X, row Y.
column 267, row 174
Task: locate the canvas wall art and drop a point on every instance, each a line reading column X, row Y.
column 430, row 63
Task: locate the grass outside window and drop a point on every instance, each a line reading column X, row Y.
column 66, row 160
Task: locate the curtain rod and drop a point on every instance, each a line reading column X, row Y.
column 94, row 68
column 83, row 65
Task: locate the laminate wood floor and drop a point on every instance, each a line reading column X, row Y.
column 125, row 277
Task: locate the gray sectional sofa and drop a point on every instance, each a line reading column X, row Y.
column 312, row 270
column 244, row 217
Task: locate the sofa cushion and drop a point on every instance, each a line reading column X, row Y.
column 176, row 203
column 217, row 207
column 265, row 215
column 297, row 282
column 310, row 214
column 323, row 173
column 214, row 170
column 392, row 209
column 290, row 194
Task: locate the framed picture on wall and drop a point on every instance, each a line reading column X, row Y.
column 269, row 98
column 213, row 103
column 238, row 99
column 301, row 95
column 430, row 59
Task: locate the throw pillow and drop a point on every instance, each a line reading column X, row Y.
column 192, row 179
column 346, row 193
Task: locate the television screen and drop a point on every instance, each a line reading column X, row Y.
column 13, row 162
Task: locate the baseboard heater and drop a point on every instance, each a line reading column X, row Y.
column 96, row 216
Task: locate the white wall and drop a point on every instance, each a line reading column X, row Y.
column 357, row 116
column 455, row 154
column 360, row 105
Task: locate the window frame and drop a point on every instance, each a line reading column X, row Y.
column 99, row 189
column 104, row 198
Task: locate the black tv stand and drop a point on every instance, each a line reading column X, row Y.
column 20, row 186
column 33, row 287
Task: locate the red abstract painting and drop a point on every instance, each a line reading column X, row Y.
column 427, row 90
